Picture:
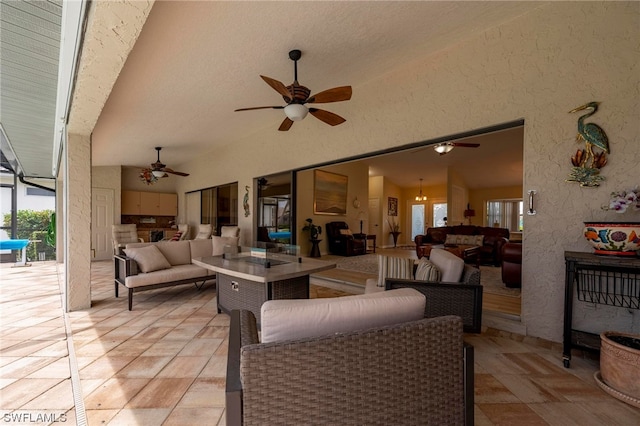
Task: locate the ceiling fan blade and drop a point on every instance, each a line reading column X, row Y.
column 337, row 94
column 467, row 145
column 263, row 107
column 326, row 116
column 278, row 87
column 168, row 170
column 286, row 125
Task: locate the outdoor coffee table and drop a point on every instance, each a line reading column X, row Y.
column 246, row 282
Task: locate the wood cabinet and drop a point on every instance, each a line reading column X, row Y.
column 130, row 202
column 149, row 203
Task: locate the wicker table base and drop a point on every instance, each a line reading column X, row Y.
column 238, row 293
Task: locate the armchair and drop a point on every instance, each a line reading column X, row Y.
column 457, row 293
column 512, row 265
column 416, row 371
column 342, row 242
column 204, row 231
column 122, row 235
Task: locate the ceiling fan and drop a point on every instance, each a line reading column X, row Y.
column 446, row 147
column 150, row 175
column 296, row 96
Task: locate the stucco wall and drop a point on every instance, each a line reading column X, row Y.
column 536, row 68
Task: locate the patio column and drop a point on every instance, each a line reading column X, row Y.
column 77, row 193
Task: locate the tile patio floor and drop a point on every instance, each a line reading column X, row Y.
column 164, row 362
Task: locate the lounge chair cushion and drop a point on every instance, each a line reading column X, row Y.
column 300, row 318
column 448, row 263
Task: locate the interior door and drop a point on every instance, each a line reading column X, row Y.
column 374, row 217
column 101, row 222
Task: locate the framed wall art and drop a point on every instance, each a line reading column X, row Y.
column 330, row 193
column 393, row 207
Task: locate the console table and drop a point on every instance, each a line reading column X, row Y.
column 244, row 282
column 606, row 280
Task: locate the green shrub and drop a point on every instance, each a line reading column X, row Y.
column 32, row 225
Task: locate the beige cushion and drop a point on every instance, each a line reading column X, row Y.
column 300, row 318
column 394, row 267
column 175, row 273
column 219, row 244
column 450, row 265
column 229, row 231
column 427, row 271
column 472, row 240
column 148, row 258
column 201, row 248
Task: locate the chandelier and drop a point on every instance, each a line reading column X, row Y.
column 420, row 196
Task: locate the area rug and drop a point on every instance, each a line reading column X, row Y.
column 490, row 276
column 367, row 263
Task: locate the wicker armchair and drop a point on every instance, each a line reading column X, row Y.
column 421, row 372
column 463, row 300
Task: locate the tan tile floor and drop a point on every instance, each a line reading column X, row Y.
column 165, row 361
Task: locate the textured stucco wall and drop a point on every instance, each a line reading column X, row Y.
column 78, row 222
column 536, row 68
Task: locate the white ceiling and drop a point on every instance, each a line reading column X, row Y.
column 195, row 63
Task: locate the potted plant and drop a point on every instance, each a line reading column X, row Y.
column 621, row 238
column 620, row 366
column 314, row 230
column 394, row 230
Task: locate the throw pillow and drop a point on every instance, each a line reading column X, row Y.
column 148, row 258
column 474, row 240
column 394, row 267
column 345, row 232
column 427, row 271
column 176, row 236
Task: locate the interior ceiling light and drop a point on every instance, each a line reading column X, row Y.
column 158, row 173
column 443, row 148
column 296, row 112
column 420, row 196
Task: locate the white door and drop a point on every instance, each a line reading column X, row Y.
column 374, row 217
column 101, row 222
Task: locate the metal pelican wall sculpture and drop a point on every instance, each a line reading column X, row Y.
column 586, row 163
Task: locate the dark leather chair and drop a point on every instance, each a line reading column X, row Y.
column 512, row 265
column 342, row 242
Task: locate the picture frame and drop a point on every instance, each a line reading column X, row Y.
column 330, row 193
column 393, row 207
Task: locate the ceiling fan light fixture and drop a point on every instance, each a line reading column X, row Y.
column 158, row 173
column 443, row 148
column 296, row 112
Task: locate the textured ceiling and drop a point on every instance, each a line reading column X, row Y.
column 195, row 63
column 29, row 49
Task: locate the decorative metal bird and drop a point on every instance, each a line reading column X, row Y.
column 591, row 133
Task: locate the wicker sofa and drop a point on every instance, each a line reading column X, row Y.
column 490, row 250
column 146, row 266
column 405, row 373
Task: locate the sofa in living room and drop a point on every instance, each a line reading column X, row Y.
column 489, row 239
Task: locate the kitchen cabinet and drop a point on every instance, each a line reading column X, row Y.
column 130, row 203
column 149, row 203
